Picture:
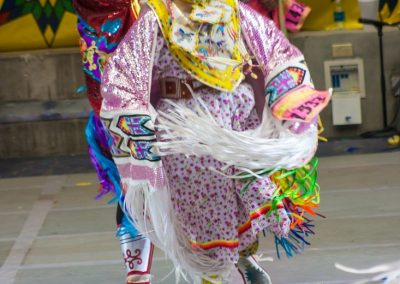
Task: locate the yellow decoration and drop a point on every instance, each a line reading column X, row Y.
column 21, row 34
column 48, row 34
column 224, row 80
column 67, row 34
column 24, row 34
column 321, row 129
column 321, row 15
column 214, row 279
column 394, row 140
column 135, row 6
column 83, row 183
column 391, row 17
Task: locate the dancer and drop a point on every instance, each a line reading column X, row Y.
column 101, row 25
column 212, row 113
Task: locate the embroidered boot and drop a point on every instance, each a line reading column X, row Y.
column 137, row 253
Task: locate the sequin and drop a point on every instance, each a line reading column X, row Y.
column 120, row 90
column 270, row 47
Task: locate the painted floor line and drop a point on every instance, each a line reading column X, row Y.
column 82, row 263
column 7, row 239
column 14, row 213
column 359, row 161
column 165, row 259
column 356, row 216
column 79, row 208
column 353, row 247
column 357, row 190
column 350, row 247
column 66, row 236
column 30, row 230
column 66, row 209
column 333, row 281
column 8, row 188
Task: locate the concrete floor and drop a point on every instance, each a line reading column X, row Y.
column 53, row 231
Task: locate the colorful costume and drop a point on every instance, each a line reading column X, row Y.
column 101, row 25
column 200, row 151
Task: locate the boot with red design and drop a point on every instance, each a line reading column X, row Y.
column 137, row 253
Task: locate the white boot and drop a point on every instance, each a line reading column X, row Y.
column 252, row 272
column 137, row 253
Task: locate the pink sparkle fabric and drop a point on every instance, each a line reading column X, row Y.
column 122, row 90
column 270, row 47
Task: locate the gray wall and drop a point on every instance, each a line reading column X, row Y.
column 51, row 77
column 41, row 75
column 316, row 47
column 41, row 113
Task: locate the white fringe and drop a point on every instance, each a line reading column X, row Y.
column 388, row 273
column 270, row 146
column 152, row 212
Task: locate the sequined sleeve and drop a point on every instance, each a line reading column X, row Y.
column 289, row 90
column 126, row 110
column 127, row 76
column 266, row 42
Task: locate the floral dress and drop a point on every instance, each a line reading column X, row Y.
column 216, row 216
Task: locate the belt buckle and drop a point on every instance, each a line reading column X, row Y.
column 170, row 88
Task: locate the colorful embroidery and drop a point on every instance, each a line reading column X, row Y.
column 183, row 37
column 141, row 150
column 134, row 125
column 115, row 148
column 256, row 213
column 115, row 141
column 299, row 192
column 123, row 136
column 227, row 10
column 301, row 104
column 217, row 63
column 95, row 48
column 285, row 81
column 207, row 14
column 215, row 243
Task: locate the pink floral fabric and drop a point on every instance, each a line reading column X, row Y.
column 213, row 211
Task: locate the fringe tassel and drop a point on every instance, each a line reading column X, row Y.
column 298, row 191
column 98, row 147
column 270, row 146
column 107, row 172
column 155, row 218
